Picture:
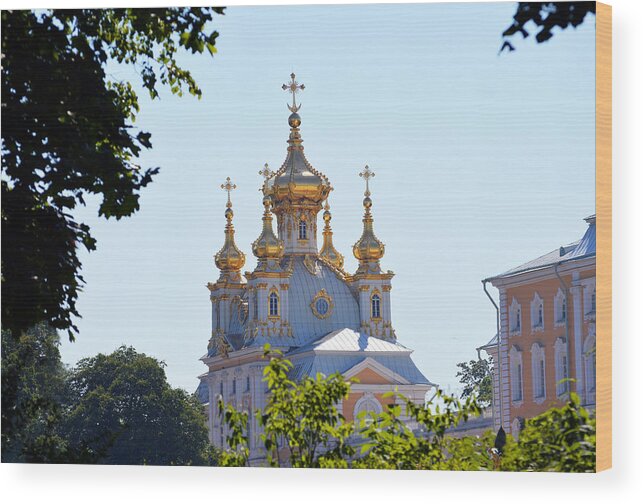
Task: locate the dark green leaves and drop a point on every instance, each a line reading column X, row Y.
column 67, row 131
column 547, row 17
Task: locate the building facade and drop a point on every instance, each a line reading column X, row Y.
column 299, row 299
column 547, row 348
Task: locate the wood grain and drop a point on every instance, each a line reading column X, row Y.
column 604, row 238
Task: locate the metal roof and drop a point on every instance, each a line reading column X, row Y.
column 585, row 247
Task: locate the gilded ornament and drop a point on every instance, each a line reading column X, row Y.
column 322, row 305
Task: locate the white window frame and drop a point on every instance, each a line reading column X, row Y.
column 538, row 373
column 560, row 308
column 515, row 317
column 516, row 375
column 537, row 306
column 589, row 365
column 370, row 402
column 561, row 361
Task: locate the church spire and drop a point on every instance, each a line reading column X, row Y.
column 328, row 250
column 229, row 259
column 369, row 249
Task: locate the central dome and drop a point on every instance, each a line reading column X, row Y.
column 297, row 181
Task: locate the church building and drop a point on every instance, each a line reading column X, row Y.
column 300, row 300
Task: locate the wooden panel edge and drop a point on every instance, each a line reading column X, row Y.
column 604, row 236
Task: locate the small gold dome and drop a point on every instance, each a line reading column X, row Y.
column 229, row 258
column 267, row 246
column 368, row 248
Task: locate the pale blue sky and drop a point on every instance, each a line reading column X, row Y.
column 482, row 162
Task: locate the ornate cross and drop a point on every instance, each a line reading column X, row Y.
column 293, row 87
column 228, row 187
column 366, row 175
column 266, row 173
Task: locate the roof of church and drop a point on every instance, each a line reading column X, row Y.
column 585, row 247
column 349, row 340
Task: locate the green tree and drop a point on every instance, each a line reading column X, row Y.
column 558, row 440
column 68, row 132
column 123, row 401
column 546, row 16
column 303, row 428
column 34, row 387
column 476, row 378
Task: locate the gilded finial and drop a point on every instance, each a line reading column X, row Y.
column 366, row 175
column 293, row 87
column 266, row 173
column 328, row 250
column 228, row 186
column 229, row 259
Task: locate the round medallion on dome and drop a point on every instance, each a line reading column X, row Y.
column 322, row 305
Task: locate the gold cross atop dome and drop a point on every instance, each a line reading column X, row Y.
column 293, row 87
column 228, row 186
column 366, row 175
column 266, row 173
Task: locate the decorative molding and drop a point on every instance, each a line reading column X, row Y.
column 322, row 295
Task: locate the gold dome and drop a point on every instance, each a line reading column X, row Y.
column 328, row 250
column 296, row 181
column 267, row 246
column 229, row 259
column 368, row 248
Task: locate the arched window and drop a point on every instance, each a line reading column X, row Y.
column 366, row 405
column 538, row 371
column 515, row 365
column 560, row 308
column 303, row 235
column 514, row 317
column 560, row 358
column 376, row 311
column 273, row 301
column 589, row 357
column 537, row 313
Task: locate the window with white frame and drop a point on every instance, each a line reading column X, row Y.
column 273, row 304
column 515, row 365
column 365, row 405
column 303, row 234
column 589, row 358
column 537, row 313
column 560, row 360
column 538, row 371
column 589, row 299
column 515, row 315
column 560, row 308
column 376, row 312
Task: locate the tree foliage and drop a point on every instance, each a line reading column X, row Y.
column 110, row 409
column 68, row 132
column 303, row 428
column 476, row 378
column 33, row 385
column 123, row 401
column 547, row 17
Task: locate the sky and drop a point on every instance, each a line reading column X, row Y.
column 482, row 161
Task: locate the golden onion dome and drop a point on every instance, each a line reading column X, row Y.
column 297, row 180
column 368, row 248
column 328, row 250
column 229, row 258
column 267, row 246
